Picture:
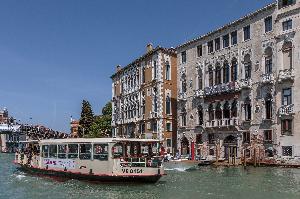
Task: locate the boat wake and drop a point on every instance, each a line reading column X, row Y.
column 180, row 169
column 20, row 176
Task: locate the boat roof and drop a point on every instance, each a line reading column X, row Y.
column 95, row 140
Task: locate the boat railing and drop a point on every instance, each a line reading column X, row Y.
column 153, row 162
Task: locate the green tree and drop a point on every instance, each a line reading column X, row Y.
column 101, row 127
column 107, row 109
column 86, row 118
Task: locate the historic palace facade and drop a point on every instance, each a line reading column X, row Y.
column 144, row 97
column 237, row 88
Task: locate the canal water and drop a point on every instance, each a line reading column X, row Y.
column 206, row 182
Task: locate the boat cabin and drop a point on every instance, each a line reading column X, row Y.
column 94, row 156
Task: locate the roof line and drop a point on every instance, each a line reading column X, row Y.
column 158, row 48
column 227, row 25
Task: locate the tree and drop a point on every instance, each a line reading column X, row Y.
column 107, row 109
column 86, row 118
column 101, row 127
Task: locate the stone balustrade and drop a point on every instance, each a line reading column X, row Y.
column 268, row 78
column 222, row 123
column 182, row 96
column 287, row 74
column 222, row 88
column 245, row 83
column 286, row 110
column 199, row 93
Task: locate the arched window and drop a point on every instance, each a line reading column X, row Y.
column 200, row 115
column 168, row 71
column 154, row 70
column 211, row 76
column 248, row 67
column 268, row 60
column 183, row 117
column 168, row 105
column 226, row 110
column 287, row 55
column 185, row 148
column 155, row 101
column 284, row 3
column 234, row 70
column 247, row 107
column 268, row 106
column 211, row 115
column 234, row 109
column 218, row 74
column 200, row 80
column 218, row 112
column 183, row 83
column 226, row 69
column 143, row 74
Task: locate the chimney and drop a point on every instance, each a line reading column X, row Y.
column 149, row 47
column 118, row 68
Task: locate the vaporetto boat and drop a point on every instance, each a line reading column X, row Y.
column 93, row 159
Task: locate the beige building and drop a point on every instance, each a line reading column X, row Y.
column 144, row 97
column 238, row 85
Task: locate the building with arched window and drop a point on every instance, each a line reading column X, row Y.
column 244, row 85
column 144, row 97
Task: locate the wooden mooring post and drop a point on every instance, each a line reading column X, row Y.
column 245, row 160
column 259, row 157
column 254, row 157
column 229, row 156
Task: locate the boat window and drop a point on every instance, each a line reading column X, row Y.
column 53, row 151
column 117, row 150
column 155, row 148
column 72, row 151
column 85, row 151
column 45, row 151
column 101, row 151
column 134, row 149
column 62, row 151
column 128, row 149
column 145, row 149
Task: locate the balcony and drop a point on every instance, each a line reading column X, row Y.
column 245, row 83
column 222, row 123
column 286, row 110
column 268, row 78
column 199, row 93
column 182, row 96
column 222, row 88
column 287, row 74
column 153, row 115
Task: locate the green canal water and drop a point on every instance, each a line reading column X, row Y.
column 200, row 183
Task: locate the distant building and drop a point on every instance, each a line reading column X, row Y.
column 9, row 133
column 74, row 128
column 144, row 97
column 238, row 87
column 4, row 116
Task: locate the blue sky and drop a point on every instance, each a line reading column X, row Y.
column 54, row 53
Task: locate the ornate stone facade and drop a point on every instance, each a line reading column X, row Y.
column 237, row 88
column 144, row 97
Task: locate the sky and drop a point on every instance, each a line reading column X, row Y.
column 55, row 53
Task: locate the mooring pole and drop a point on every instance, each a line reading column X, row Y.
column 259, row 157
column 255, row 157
column 245, row 161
